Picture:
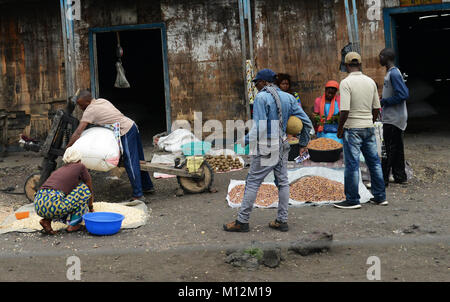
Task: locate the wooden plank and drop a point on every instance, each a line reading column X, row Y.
column 146, row 166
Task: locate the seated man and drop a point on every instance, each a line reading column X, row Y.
column 102, row 112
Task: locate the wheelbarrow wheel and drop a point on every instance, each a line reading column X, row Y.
column 30, row 185
column 197, row 185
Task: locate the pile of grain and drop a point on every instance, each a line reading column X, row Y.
column 32, row 223
column 323, row 144
column 267, row 195
column 132, row 215
column 316, row 188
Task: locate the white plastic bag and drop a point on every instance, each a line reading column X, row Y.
column 99, row 148
column 174, row 141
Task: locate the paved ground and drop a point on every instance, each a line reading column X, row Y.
column 184, row 240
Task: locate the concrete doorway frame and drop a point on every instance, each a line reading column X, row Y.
column 93, row 59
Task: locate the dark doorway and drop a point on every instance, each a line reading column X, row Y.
column 423, row 54
column 144, row 101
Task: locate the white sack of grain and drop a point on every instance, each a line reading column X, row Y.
column 99, row 148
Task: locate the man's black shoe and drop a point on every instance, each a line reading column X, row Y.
column 236, row 226
column 347, row 205
column 280, row 226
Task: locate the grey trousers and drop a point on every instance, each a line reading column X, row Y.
column 255, row 177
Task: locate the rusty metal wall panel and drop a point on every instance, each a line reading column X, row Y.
column 304, row 38
column 204, row 56
column 32, row 60
column 298, row 38
column 204, row 59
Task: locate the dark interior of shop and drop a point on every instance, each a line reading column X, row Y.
column 423, row 53
column 142, row 60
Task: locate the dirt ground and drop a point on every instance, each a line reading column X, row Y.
column 184, row 241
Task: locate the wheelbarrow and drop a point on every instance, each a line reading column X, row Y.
column 63, row 126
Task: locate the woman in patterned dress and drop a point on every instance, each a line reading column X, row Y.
column 66, row 195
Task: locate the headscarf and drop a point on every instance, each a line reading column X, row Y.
column 331, row 84
column 72, row 155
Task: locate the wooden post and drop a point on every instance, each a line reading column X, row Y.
column 4, row 118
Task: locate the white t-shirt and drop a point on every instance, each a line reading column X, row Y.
column 359, row 96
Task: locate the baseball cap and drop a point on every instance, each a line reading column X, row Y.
column 352, row 56
column 265, row 75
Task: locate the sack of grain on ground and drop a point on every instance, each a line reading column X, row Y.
column 308, row 189
column 336, row 174
column 315, row 189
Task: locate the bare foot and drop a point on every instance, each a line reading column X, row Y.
column 74, row 228
column 47, row 226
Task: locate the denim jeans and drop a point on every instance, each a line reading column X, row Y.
column 133, row 153
column 256, row 176
column 357, row 140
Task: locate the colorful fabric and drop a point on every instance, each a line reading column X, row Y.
column 330, row 111
column 69, row 209
column 116, row 129
column 297, row 97
column 251, row 89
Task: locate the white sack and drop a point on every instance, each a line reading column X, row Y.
column 174, row 141
column 99, row 148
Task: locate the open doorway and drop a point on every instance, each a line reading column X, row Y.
column 421, row 40
column 145, row 101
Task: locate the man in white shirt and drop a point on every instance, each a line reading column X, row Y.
column 360, row 107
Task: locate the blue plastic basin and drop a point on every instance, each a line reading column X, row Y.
column 103, row 223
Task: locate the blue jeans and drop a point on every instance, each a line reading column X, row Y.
column 133, row 153
column 363, row 140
